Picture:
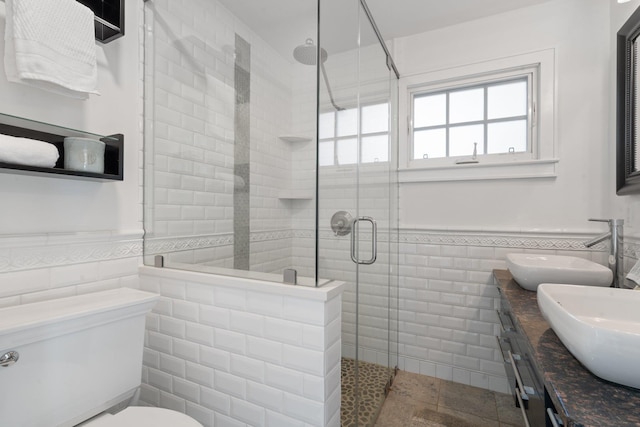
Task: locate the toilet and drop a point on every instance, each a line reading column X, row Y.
column 65, row 362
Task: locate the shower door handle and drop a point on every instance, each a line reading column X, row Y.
column 374, row 240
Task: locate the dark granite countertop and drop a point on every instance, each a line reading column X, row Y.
column 581, row 398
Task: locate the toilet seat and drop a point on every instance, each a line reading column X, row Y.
column 139, row 416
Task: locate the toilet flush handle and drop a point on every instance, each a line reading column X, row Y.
column 9, row 358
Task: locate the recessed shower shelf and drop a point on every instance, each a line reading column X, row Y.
column 295, row 138
column 296, row 195
column 53, row 134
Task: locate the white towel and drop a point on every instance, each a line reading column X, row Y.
column 25, row 151
column 50, row 44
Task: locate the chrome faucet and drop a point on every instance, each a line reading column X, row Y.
column 615, row 248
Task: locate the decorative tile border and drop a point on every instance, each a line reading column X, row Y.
column 163, row 245
column 455, row 238
column 65, row 249
column 499, row 239
column 41, row 251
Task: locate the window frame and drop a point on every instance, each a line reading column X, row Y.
column 359, row 136
column 540, row 159
column 527, row 76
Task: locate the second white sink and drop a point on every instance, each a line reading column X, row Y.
column 599, row 326
column 530, row 270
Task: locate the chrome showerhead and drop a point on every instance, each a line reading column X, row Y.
column 307, row 53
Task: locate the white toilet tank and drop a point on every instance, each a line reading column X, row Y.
column 77, row 356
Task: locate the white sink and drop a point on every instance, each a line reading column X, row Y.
column 530, row 270
column 599, row 326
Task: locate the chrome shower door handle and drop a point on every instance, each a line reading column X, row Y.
column 374, row 240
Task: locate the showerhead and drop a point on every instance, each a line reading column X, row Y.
column 307, row 53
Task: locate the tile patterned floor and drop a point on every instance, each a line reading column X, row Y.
column 373, row 379
column 421, row 401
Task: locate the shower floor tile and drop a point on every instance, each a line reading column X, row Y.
column 373, row 379
column 420, row 401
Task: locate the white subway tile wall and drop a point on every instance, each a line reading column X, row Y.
column 47, row 266
column 211, row 354
column 447, row 300
column 191, row 138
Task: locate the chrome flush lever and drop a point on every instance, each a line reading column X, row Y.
column 9, row 358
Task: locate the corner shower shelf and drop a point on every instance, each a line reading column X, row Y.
column 295, row 138
column 296, row 195
column 27, row 128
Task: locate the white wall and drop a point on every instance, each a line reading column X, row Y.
column 45, row 204
column 63, row 236
column 578, row 31
column 453, row 234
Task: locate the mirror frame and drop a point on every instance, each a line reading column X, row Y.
column 627, row 172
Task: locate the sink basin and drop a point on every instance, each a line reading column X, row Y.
column 530, row 270
column 599, row 326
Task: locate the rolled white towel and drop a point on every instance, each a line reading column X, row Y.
column 25, row 151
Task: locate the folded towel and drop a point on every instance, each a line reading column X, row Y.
column 25, row 151
column 50, row 44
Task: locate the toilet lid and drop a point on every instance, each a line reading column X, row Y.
column 138, row 416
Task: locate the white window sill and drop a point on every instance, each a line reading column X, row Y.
column 525, row 169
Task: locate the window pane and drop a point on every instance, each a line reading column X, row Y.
column 504, row 135
column 375, row 149
column 375, row 118
column 429, row 110
column 347, row 151
column 466, row 105
column 507, row 100
column 326, row 125
column 461, row 139
column 347, row 122
column 429, row 144
column 326, row 153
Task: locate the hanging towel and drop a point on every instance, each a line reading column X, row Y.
column 50, row 44
column 25, row 151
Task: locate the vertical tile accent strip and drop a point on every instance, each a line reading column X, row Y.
column 242, row 154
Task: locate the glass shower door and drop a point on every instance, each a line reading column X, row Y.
column 356, row 203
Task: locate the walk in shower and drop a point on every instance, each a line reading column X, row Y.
column 270, row 153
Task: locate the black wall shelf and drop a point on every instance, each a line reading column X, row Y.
column 25, row 128
column 109, row 18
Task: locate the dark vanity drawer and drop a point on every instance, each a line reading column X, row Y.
column 528, row 392
column 526, row 387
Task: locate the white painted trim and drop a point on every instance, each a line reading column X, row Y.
column 526, row 169
column 325, row 292
column 545, row 160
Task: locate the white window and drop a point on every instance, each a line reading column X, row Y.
column 481, row 121
column 473, row 121
column 351, row 136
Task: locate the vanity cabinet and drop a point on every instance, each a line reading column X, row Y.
column 525, row 382
column 549, row 385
